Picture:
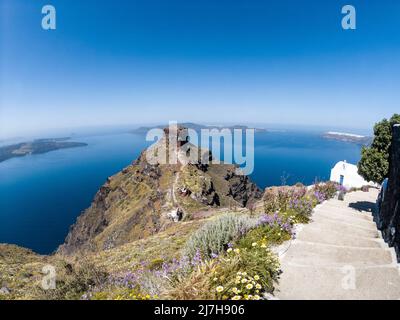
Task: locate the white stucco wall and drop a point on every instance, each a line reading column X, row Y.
column 349, row 171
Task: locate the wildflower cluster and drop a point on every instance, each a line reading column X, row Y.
column 327, row 189
column 341, row 188
column 275, row 221
column 245, row 273
column 131, row 285
column 319, row 196
column 132, row 295
column 278, row 199
column 247, row 288
column 302, row 206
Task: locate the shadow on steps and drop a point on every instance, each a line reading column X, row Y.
column 366, row 206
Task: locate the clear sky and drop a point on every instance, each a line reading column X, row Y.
column 142, row 61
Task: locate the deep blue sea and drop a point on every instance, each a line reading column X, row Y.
column 42, row 195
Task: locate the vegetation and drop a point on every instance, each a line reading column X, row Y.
column 374, row 163
column 214, row 236
column 74, row 280
column 228, row 255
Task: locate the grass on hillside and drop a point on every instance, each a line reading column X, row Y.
column 226, row 256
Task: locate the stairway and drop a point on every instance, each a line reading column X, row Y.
column 340, row 255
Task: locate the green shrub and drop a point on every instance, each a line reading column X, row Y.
column 121, row 294
column 156, row 264
column 271, row 203
column 215, row 235
column 264, row 236
column 195, row 286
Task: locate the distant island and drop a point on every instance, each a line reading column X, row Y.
column 198, row 127
column 348, row 137
column 37, row 146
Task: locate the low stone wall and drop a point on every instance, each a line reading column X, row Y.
column 389, row 215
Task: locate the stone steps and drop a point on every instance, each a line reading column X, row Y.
column 343, row 213
column 314, row 234
column 327, row 225
column 354, row 222
column 340, row 255
column 334, row 283
column 318, row 254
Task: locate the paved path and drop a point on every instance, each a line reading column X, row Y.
column 340, row 255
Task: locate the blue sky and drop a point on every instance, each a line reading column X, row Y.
column 147, row 61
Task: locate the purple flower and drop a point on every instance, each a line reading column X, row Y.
column 319, row 196
column 197, row 259
column 214, row 255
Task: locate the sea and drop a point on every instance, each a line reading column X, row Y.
column 42, row 195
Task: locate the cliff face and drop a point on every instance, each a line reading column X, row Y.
column 148, row 196
column 389, row 216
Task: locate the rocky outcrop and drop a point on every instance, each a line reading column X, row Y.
column 242, row 189
column 389, row 215
column 154, row 192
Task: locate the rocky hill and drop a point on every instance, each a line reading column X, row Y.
column 151, row 195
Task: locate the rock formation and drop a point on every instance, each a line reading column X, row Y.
column 167, row 183
column 389, row 215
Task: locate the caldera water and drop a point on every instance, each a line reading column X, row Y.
column 42, row 195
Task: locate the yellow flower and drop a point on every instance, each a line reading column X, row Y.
column 219, row 289
column 237, row 281
column 236, row 298
column 256, row 297
column 244, row 273
column 256, row 277
column 236, row 250
column 244, row 280
column 249, row 286
column 263, row 245
column 234, row 290
column 258, row 286
column 254, row 244
column 229, row 250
